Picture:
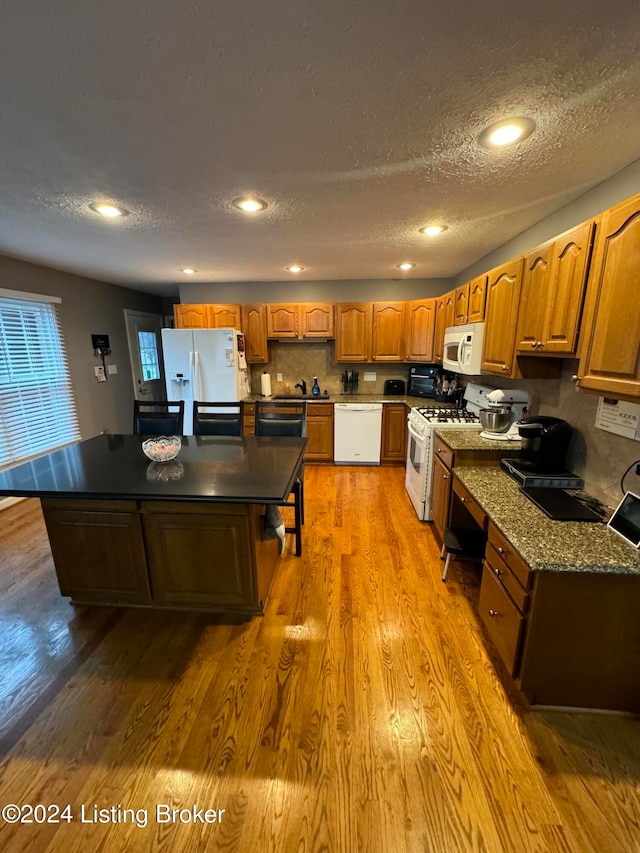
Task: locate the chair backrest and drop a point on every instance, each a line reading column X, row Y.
column 281, row 418
column 217, row 418
column 158, row 417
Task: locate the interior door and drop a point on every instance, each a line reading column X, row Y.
column 145, row 353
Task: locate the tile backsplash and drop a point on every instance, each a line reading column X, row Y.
column 296, row 361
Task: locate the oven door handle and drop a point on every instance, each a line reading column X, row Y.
column 422, row 441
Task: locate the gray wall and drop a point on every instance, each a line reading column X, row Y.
column 362, row 290
column 88, row 307
column 615, row 189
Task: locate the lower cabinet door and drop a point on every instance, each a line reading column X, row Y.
column 200, row 560
column 99, row 556
column 501, row 618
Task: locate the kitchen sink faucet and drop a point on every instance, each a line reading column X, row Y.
column 302, row 385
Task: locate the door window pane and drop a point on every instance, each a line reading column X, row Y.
column 148, row 346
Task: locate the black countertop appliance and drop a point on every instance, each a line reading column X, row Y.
column 423, row 380
column 545, row 442
column 393, row 387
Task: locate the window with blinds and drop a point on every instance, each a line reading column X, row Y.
column 37, row 410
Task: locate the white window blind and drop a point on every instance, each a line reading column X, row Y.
column 37, row 410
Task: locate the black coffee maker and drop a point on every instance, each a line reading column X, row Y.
column 545, row 442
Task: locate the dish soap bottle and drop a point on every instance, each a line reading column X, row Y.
column 315, row 389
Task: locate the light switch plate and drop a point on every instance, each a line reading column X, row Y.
column 278, row 377
column 112, row 368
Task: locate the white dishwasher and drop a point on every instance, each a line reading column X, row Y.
column 357, row 430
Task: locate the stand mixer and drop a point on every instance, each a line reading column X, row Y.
column 505, row 408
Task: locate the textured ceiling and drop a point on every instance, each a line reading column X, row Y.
column 357, row 121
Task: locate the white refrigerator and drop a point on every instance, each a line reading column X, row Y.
column 204, row 364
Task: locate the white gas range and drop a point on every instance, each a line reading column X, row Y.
column 423, row 422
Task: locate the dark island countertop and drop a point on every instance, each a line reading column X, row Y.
column 221, row 469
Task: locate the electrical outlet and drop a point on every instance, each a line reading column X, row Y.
column 369, row 377
column 112, row 368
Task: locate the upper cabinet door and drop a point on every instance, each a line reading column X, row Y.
column 571, row 255
column 440, row 325
column 419, row 329
column 534, row 299
column 191, row 316
column 477, row 298
column 225, row 317
column 353, row 331
column 610, row 345
column 254, row 327
column 282, row 320
column 316, row 320
column 388, row 331
column 503, row 294
column 461, row 305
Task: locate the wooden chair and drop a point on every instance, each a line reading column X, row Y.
column 156, row 417
column 275, row 418
column 217, row 418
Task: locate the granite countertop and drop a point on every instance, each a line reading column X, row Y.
column 210, row 468
column 469, row 439
column 354, row 398
column 546, row 545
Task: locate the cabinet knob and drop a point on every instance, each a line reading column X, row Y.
column 439, row 450
column 493, row 613
column 463, row 499
column 534, row 344
column 575, row 378
column 500, row 550
column 497, row 572
column 504, row 366
column 445, row 476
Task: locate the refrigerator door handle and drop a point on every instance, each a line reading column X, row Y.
column 198, row 371
column 191, row 375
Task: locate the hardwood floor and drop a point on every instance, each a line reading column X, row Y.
column 361, row 713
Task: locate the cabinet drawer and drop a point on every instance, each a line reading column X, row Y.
column 444, row 453
column 502, row 620
column 320, row 410
column 470, row 503
column 510, row 556
column 497, row 566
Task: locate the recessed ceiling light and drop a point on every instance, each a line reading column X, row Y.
column 406, row 266
column 432, row 230
column 507, row 132
column 111, row 211
column 295, row 268
column 188, row 270
column 249, row 204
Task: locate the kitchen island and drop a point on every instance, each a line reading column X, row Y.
column 185, row 534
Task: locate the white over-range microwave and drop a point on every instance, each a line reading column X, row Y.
column 463, row 349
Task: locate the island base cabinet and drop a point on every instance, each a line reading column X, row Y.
column 163, row 554
column 98, row 551
column 582, row 642
column 199, row 559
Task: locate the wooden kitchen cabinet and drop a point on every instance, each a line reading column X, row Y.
column 98, row 550
column 552, row 295
column 224, row 317
column 610, row 335
column 503, row 295
column 419, row 330
column 354, row 322
column 387, row 340
column 317, row 320
column 191, row 316
column 461, row 305
column 394, row 434
column 445, row 316
column 477, row 299
column 249, row 419
column 254, row 327
column 282, row 320
column 440, row 495
column 319, row 432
